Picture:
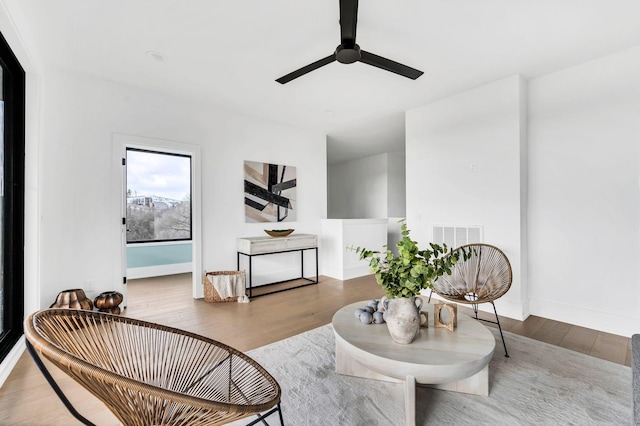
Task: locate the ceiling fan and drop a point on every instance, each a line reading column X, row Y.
column 349, row 52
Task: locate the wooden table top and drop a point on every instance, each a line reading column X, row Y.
column 470, row 342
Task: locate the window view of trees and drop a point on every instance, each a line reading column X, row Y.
column 158, row 196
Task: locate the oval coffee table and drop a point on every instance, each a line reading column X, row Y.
column 455, row 361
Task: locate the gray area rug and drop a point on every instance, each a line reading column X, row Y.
column 539, row 384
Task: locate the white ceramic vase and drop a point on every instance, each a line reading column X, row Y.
column 403, row 318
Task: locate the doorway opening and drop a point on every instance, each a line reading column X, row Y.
column 159, row 199
column 158, row 213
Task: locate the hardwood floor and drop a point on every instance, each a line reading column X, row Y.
column 26, row 398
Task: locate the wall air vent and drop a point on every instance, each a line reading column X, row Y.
column 456, row 235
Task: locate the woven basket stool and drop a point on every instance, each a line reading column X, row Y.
column 150, row 374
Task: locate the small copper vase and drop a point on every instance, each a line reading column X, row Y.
column 73, row 299
column 109, row 301
column 114, row 311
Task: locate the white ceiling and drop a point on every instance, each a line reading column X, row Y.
column 229, row 53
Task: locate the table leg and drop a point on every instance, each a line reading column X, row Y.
column 410, row 400
column 346, row 364
column 250, row 281
column 478, row 384
column 301, row 263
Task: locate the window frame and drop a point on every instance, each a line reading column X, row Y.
column 174, row 154
column 13, row 88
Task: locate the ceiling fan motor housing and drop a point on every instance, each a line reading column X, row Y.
column 346, row 54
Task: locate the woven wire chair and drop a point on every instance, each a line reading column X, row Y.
column 482, row 278
column 149, row 374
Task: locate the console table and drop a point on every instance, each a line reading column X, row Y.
column 261, row 246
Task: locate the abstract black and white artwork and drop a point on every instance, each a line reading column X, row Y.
column 269, row 192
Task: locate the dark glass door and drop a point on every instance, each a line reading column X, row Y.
column 12, row 152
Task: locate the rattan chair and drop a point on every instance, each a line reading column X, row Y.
column 149, row 374
column 482, row 278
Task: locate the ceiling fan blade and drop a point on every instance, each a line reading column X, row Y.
column 348, row 21
column 389, row 65
column 306, row 69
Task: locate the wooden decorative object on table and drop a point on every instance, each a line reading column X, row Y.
column 425, row 315
column 451, row 309
column 278, row 232
column 73, row 299
column 210, row 293
column 147, row 373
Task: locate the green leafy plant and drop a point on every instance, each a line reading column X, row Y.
column 412, row 270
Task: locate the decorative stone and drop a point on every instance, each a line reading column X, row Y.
column 366, row 317
column 378, row 317
column 451, row 309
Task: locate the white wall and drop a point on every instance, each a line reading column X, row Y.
column 584, row 160
column 370, row 188
column 463, row 157
column 396, row 185
column 340, row 238
column 358, row 188
column 559, row 191
column 80, row 230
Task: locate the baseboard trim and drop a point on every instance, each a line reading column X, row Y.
column 335, row 273
column 608, row 322
column 347, row 273
column 11, row 360
column 160, row 270
column 356, row 271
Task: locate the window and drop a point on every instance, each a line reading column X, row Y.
column 158, row 196
column 11, row 198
